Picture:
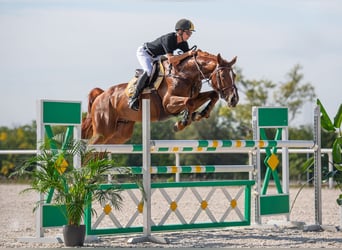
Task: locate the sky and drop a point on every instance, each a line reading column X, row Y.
column 60, row 50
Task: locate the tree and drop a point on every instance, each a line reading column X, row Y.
column 297, row 160
column 23, row 137
column 293, row 94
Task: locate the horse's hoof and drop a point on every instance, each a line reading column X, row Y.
column 179, row 126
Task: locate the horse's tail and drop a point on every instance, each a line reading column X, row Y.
column 87, row 126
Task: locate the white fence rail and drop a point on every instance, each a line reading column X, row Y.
column 246, row 150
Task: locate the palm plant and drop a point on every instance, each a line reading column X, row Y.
column 334, row 126
column 52, row 172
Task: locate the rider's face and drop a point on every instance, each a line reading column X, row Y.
column 186, row 34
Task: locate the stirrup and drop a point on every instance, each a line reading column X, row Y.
column 133, row 103
column 147, row 90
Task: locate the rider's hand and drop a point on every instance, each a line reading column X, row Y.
column 191, row 52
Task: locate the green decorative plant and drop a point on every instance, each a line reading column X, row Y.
column 334, row 126
column 53, row 172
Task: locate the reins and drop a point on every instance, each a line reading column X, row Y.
column 216, row 73
column 199, row 68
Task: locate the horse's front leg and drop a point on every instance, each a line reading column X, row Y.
column 200, row 100
column 177, row 104
column 190, row 105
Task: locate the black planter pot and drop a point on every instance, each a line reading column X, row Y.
column 73, row 235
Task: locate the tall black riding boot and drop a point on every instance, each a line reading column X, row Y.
column 133, row 101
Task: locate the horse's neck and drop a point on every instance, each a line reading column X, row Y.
column 205, row 64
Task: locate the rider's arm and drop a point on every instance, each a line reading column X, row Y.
column 175, row 59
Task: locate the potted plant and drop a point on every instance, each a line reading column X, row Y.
column 73, row 188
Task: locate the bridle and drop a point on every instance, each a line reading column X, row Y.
column 217, row 74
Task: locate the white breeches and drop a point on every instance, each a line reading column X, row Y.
column 145, row 60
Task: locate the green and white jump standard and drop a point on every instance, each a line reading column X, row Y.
column 266, row 119
column 54, row 113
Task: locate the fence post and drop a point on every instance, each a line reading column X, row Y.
column 146, row 168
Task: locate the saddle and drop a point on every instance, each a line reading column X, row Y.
column 153, row 82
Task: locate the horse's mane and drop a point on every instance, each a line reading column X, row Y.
column 201, row 53
column 205, row 56
column 201, row 57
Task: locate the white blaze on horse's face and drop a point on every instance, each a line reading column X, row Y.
column 232, row 97
column 225, row 78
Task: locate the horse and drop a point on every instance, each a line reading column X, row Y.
column 110, row 121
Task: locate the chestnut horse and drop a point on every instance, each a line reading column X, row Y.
column 111, row 121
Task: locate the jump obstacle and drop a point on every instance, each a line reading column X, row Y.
column 51, row 113
column 69, row 114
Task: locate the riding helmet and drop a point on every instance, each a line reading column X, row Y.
column 184, row 24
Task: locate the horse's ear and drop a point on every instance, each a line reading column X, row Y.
column 233, row 61
column 219, row 58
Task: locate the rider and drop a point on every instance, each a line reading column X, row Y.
column 164, row 45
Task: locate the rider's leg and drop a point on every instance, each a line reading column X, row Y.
column 133, row 101
column 145, row 61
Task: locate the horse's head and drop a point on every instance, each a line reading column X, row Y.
column 223, row 81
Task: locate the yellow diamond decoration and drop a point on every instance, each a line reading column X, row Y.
column 173, row 206
column 204, row 204
column 273, row 161
column 140, row 207
column 107, row 209
column 233, row 203
column 61, row 164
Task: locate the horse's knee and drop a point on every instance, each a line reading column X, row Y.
column 190, row 104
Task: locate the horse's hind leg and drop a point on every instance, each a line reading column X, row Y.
column 123, row 132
